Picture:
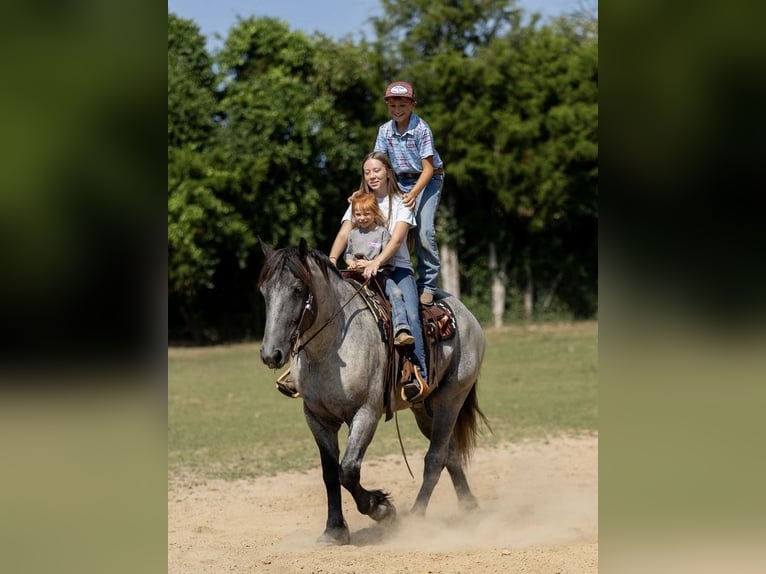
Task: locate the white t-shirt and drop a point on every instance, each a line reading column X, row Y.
column 399, row 212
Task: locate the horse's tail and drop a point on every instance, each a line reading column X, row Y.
column 467, row 425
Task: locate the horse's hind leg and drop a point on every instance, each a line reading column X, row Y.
column 336, row 529
column 439, row 432
column 374, row 503
column 457, row 473
column 454, row 462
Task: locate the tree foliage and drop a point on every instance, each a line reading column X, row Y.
column 292, row 126
column 191, row 100
column 265, row 139
column 204, row 228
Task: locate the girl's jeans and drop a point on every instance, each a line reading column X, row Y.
column 425, row 233
column 405, row 310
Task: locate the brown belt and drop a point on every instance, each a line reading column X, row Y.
column 416, row 174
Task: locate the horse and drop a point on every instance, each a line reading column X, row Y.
column 317, row 321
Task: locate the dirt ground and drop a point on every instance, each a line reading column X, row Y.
column 538, row 514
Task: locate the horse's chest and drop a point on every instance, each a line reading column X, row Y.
column 325, row 387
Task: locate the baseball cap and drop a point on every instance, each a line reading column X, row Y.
column 399, row 90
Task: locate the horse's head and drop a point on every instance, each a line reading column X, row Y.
column 286, row 285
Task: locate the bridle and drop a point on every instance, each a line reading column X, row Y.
column 308, row 310
column 296, row 346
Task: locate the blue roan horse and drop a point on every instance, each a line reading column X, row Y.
column 339, row 370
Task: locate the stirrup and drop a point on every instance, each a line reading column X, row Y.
column 418, row 387
column 285, row 385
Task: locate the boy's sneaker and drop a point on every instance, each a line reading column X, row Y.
column 426, row 298
column 403, row 337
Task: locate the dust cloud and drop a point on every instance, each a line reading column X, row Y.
column 538, row 512
column 532, row 500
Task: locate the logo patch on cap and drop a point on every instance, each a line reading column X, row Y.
column 399, row 90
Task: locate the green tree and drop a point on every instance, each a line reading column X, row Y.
column 191, row 97
column 295, row 113
column 545, row 157
column 269, row 145
column 205, row 232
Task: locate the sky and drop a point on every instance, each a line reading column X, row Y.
column 335, row 18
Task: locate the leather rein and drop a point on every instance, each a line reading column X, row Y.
column 297, row 346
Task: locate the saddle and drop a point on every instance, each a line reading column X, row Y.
column 438, row 324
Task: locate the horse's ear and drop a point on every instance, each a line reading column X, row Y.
column 303, row 249
column 267, row 249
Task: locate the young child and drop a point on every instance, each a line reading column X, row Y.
column 366, row 241
column 408, row 141
column 368, row 235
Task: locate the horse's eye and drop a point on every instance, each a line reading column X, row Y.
column 298, row 291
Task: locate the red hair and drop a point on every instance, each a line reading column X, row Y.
column 367, row 202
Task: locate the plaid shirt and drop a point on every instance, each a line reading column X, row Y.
column 406, row 151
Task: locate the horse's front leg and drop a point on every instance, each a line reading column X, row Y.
column 374, row 503
column 326, row 437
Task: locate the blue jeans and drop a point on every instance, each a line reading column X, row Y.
column 425, row 233
column 405, row 310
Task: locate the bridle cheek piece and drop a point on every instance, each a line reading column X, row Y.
column 308, row 309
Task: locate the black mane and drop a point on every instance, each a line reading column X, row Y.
column 323, row 261
column 289, row 257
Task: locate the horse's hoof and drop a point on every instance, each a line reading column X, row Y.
column 418, row 510
column 381, row 508
column 334, row 537
column 384, row 513
column 469, row 504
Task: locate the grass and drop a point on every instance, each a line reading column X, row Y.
column 226, row 420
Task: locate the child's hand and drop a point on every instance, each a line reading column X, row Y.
column 370, row 269
column 409, row 200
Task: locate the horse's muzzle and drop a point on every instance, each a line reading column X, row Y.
column 273, row 359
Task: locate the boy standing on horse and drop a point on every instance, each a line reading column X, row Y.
column 408, row 142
